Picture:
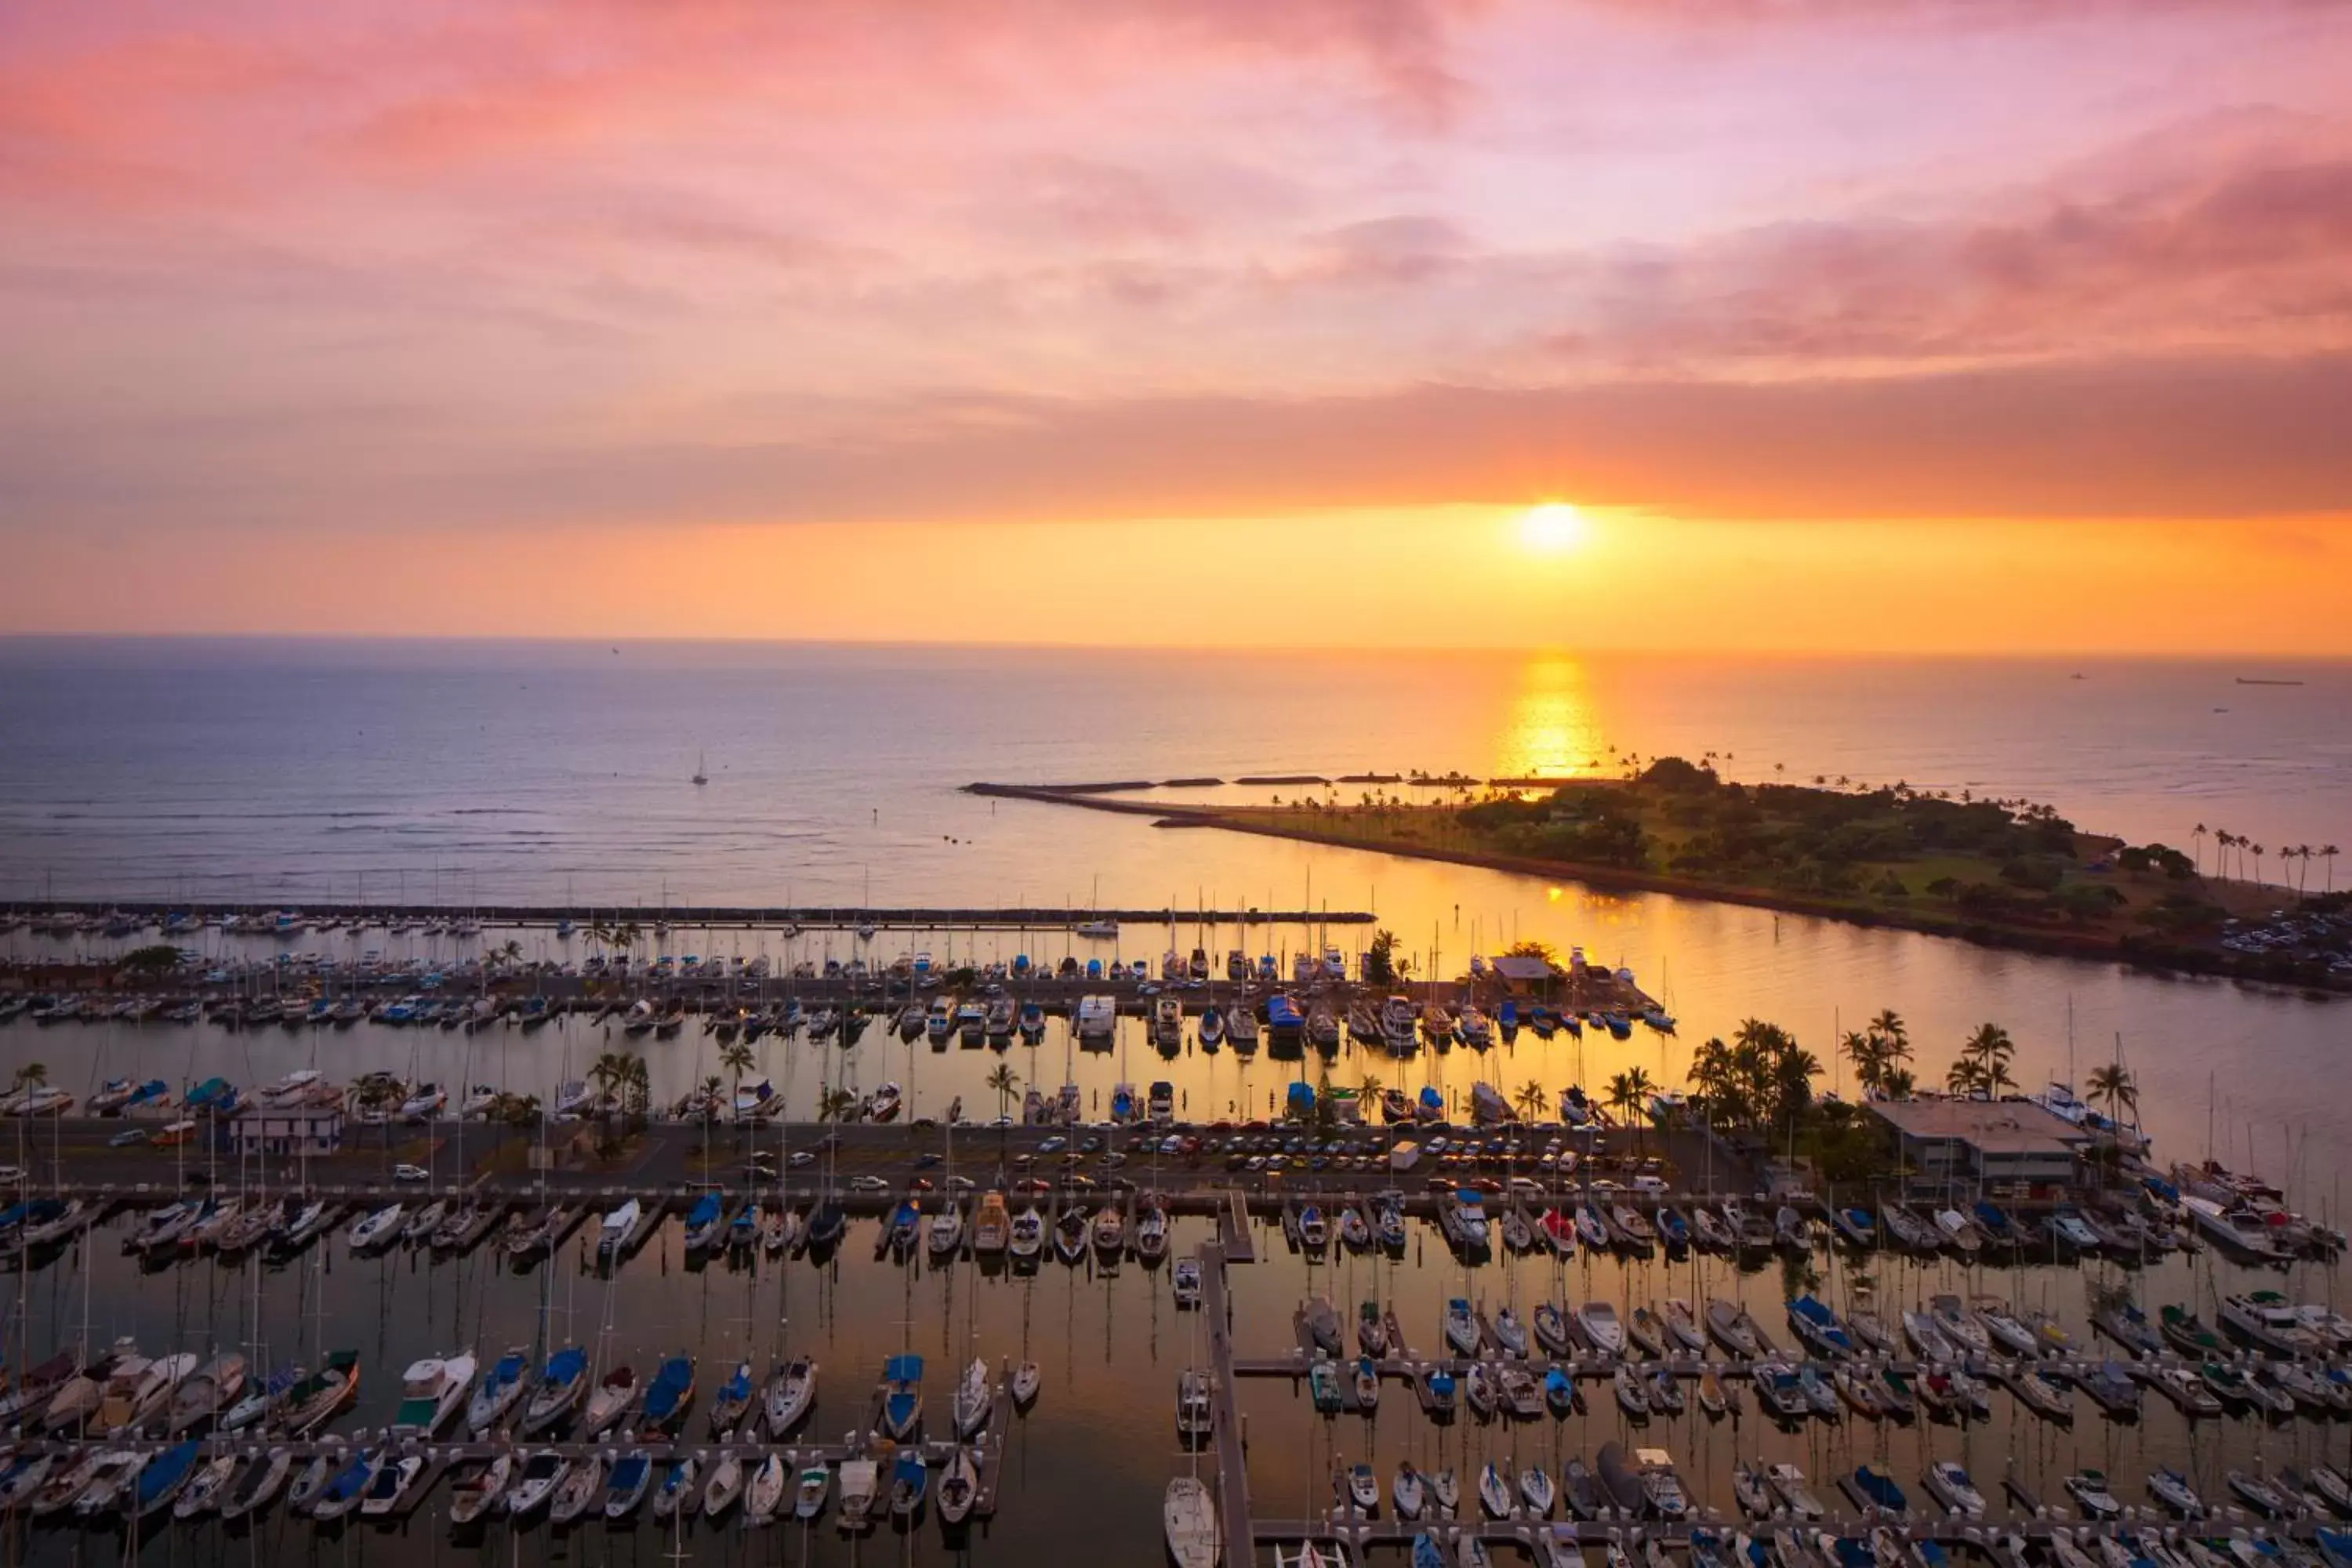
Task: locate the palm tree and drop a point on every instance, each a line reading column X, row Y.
column 2258, row 865
column 1627, row 1092
column 636, row 1086
column 2328, row 853
column 1888, row 1026
column 33, row 1075
column 1005, row 1081
column 736, row 1058
column 1992, row 1049
column 1531, row 1099
column 1964, row 1078
column 520, row 1110
column 1793, row 1071
column 2196, row 841
column 1900, row 1084
column 835, row 1105
column 2113, row 1085
column 1868, row 1057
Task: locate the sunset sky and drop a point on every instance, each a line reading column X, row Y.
column 1970, row 325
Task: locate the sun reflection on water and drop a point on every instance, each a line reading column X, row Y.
column 1551, row 729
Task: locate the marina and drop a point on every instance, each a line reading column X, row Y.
column 347, row 1141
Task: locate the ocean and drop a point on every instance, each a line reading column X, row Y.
column 479, row 775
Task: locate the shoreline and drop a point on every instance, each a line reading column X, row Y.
column 2148, row 956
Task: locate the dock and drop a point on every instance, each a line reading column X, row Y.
column 826, row 917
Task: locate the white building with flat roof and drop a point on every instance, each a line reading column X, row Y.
column 289, row 1131
column 1983, row 1144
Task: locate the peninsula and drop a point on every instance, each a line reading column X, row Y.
column 1999, row 872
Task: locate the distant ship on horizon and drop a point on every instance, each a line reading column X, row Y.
column 2264, row 680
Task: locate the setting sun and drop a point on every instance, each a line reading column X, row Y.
column 1553, row 528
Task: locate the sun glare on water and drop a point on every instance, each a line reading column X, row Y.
column 1553, row 528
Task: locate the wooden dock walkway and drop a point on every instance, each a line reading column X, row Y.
column 1233, row 1455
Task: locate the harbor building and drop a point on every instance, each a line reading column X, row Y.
column 2011, row 1147
column 286, row 1130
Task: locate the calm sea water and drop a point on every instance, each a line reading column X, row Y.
column 303, row 773
column 488, row 773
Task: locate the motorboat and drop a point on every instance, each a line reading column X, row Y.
column 1028, row 1237
column 1788, row 1482
column 138, row 1393
column 617, row 1231
column 809, row 1494
column 431, row 1391
column 1070, row 1235
column 862, row 1482
column 1598, row 1322
column 390, row 1486
column 1026, row 1380
column 1363, row 1489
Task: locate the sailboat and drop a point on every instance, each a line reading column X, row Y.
column 701, row 775
column 1189, row 1519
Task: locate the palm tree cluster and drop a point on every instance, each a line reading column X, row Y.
column 1982, row 1068
column 622, row 1084
column 1762, row 1078
column 1628, row 1092
column 1878, row 1052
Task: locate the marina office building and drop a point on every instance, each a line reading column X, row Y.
column 2013, row 1148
